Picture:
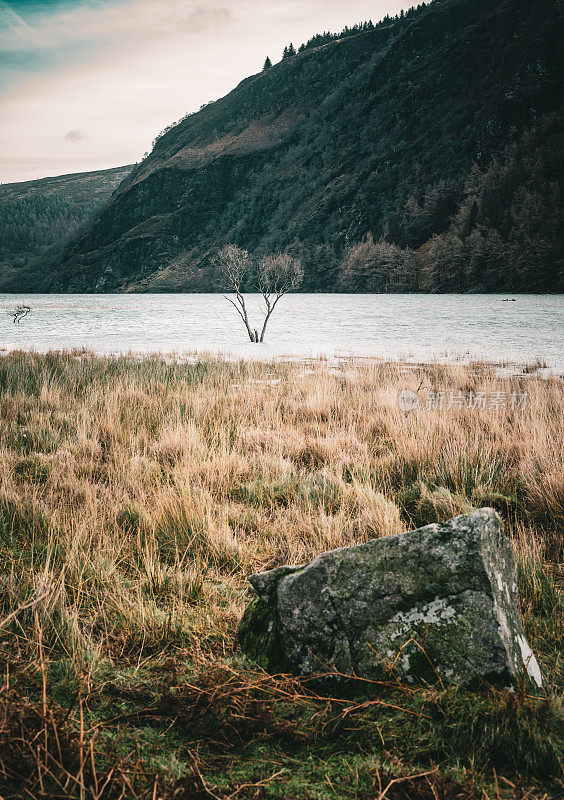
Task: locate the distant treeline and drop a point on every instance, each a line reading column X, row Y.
column 326, row 37
column 501, row 228
column 31, row 223
column 38, row 217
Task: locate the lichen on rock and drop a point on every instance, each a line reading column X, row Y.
column 436, row 604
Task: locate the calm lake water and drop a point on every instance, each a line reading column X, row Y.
column 412, row 327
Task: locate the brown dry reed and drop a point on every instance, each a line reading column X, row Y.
column 136, row 495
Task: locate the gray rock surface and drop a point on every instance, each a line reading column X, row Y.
column 438, row 603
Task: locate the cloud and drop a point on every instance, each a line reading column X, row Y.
column 122, row 70
column 115, row 22
column 13, row 23
column 75, row 136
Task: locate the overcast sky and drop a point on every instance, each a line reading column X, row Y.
column 87, row 84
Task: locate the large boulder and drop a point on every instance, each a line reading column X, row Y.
column 439, row 603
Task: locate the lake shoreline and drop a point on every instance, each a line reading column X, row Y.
column 502, row 368
column 407, row 328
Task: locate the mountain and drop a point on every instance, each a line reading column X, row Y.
column 37, row 217
column 420, row 154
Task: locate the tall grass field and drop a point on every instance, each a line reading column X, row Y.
column 137, row 495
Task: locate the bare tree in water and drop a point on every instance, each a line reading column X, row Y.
column 19, row 312
column 236, row 264
column 277, row 275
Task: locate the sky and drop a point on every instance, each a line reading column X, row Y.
column 88, row 84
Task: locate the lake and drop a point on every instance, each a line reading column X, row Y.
column 410, row 327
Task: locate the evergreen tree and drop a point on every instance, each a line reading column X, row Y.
column 267, row 63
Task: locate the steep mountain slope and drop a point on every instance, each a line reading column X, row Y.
column 35, row 215
column 380, row 139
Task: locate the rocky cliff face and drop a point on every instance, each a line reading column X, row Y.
column 327, row 146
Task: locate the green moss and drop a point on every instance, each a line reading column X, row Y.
column 258, row 636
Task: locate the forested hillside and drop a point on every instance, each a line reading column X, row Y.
column 36, row 216
column 420, row 154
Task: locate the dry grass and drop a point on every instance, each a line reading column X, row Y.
column 136, row 495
